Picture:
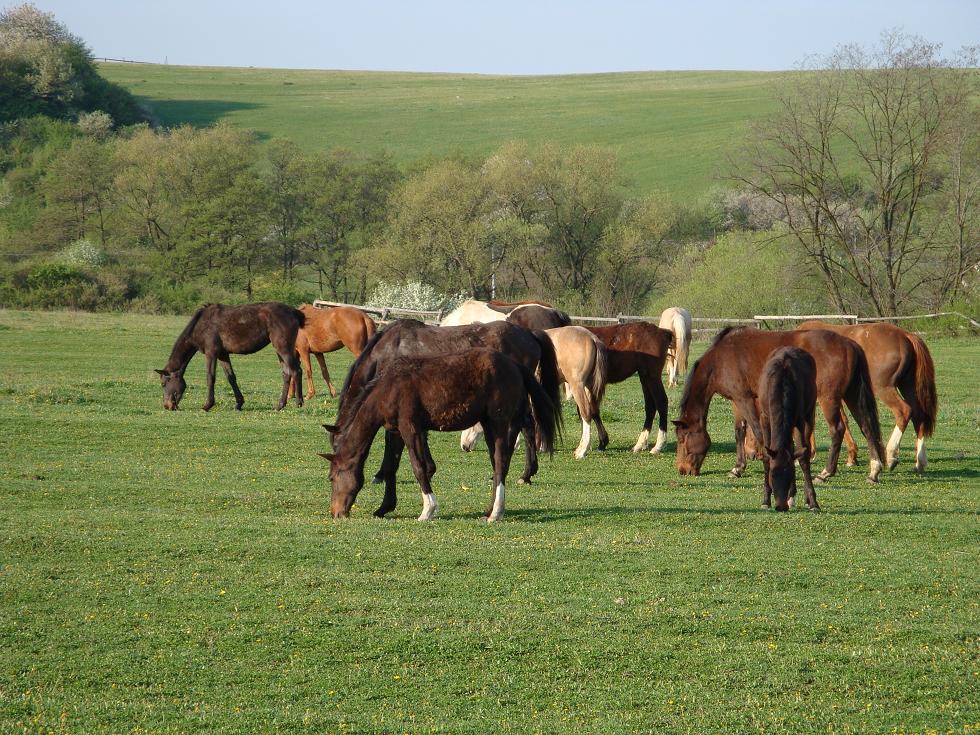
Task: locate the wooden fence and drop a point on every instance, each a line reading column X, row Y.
column 711, row 325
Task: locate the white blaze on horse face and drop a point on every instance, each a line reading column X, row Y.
column 661, row 440
column 429, row 506
column 920, row 454
column 498, row 504
column 469, row 437
column 583, row 445
column 642, row 441
column 891, row 451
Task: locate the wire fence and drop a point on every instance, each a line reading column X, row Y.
column 703, row 327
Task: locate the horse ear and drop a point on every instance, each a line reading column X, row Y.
column 331, row 428
column 771, row 453
column 328, row 457
column 798, row 454
column 159, row 372
column 680, row 424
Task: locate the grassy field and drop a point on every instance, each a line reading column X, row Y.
column 178, row 572
column 673, row 130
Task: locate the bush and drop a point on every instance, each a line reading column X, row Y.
column 414, row 295
column 51, row 276
column 83, row 254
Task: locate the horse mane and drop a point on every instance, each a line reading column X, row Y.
column 687, row 384
column 360, row 360
column 724, row 333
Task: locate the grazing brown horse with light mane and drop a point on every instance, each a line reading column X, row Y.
column 219, row 331
column 327, row 330
column 903, row 376
column 732, row 367
column 640, row 348
column 787, row 402
column 415, row 395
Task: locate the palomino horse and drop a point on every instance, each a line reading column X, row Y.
column 415, row 395
column 219, row 331
column 406, row 337
column 787, row 397
column 327, row 330
column 583, row 365
column 529, row 314
column 732, row 367
column 640, row 348
column 903, row 376
column 472, row 311
column 678, row 321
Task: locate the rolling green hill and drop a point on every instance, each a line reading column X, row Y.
column 672, row 130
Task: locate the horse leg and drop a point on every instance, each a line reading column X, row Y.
column 852, row 449
column 232, row 380
column 601, row 428
column 211, row 359
column 325, row 373
column 660, row 403
column 582, row 403
column 502, row 451
column 766, row 486
column 529, row 429
column 380, row 475
column 291, row 373
column 808, row 490
column 918, row 417
column 304, row 358
column 740, row 461
column 745, row 410
column 903, row 412
column 417, row 451
column 649, row 408
column 392, row 458
column 832, row 412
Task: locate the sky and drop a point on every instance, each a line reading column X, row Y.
column 501, row 36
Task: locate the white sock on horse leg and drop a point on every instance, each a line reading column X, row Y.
column 498, row 504
column 642, row 441
column 661, row 440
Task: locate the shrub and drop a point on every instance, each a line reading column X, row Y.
column 83, row 254
column 50, row 276
column 414, row 295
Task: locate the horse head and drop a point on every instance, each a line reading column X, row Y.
column 693, row 444
column 173, row 385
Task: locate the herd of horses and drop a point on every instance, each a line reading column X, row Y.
column 495, row 369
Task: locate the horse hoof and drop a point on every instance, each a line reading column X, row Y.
column 814, row 508
column 766, row 506
column 872, row 480
column 377, row 479
column 851, row 464
column 522, row 481
column 892, row 464
column 207, row 407
column 919, row 470
column 735, row 474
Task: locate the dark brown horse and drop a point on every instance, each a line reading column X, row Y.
column 732, row 367
column 639, row 348
column 415, row 395
column 535, row 316
column 787, row 401
column 327, row 330
column 406, row 337
column 903, row 376
column 219, row 331
column 506, row 307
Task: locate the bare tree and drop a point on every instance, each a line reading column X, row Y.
column 856, row 158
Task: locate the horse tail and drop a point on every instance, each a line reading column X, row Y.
column 925, row 382
column 600, row 376
column 861, row 400
column 547, row 411
column 549, row 371
column 680, row 328
column 300, row 317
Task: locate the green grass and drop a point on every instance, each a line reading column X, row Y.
column 672, row 130
column 178, row 572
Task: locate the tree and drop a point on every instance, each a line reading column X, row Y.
column 855, row 158
column 77, row 188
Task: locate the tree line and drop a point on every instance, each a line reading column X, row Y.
column 860, row 194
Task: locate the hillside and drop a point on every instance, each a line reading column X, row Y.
column 671, row 129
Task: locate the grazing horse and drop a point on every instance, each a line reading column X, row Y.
column 535, row 316
column 787, row 397
column 327, row 330
column 903, row 376
column 640, row 348
column 583, row 365
column 406, row 337
column 415, row 395
column 678, row 321
column 732, row 367
column 219, row 331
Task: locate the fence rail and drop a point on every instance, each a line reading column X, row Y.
column 387, row 313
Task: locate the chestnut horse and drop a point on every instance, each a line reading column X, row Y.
column 787, row 398
column 415, row 395
column 903, row 376
column 640, row 348
column 678, row 321
column 406, row 337
column 732, row 367
column 219, row 331
column 583, row 364
column 327, row 330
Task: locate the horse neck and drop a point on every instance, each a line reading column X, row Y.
column 181, row 354
column 698, row 392
column 780, row 398
column 355, row 441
